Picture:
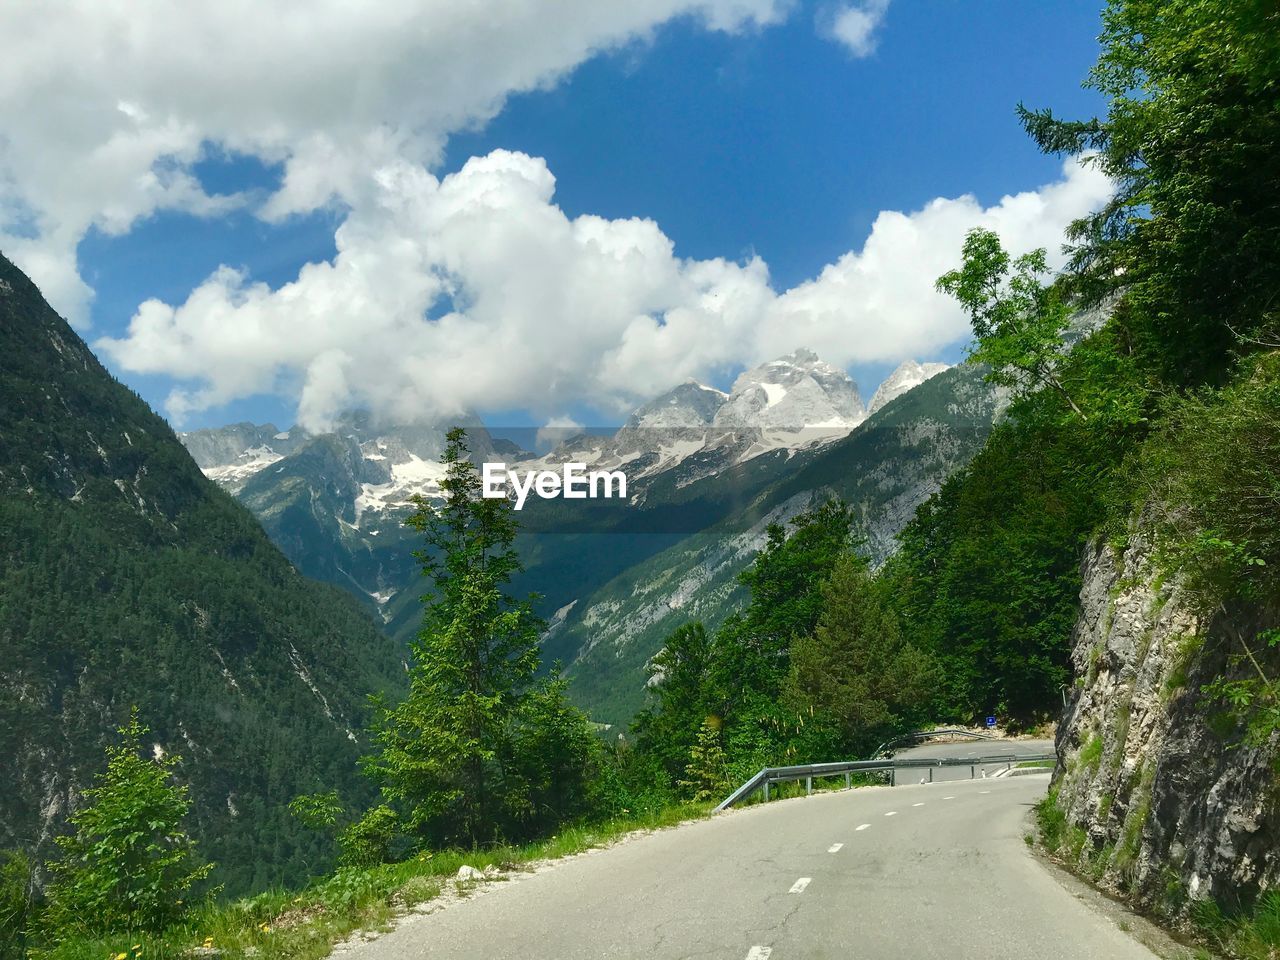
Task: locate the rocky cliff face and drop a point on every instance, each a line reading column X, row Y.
column 1163, row 798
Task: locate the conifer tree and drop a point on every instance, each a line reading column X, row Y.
column 706, row 775
column 443, row 747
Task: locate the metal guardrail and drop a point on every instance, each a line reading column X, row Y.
column 807, row 772
column 917, row 735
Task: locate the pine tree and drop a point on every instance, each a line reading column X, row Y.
column 706, row 775
column 473, row 664
column 129, row 865
column 856, row 671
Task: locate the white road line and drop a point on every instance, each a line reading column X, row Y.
column 948, row 798
column 892, row 813
column 834, row 848
column 759, row 953
column 984, row 791
column 799, row 885
column 917, row 804
column 862, row 826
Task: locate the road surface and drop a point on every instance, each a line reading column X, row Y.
column 919, row 871
column 965, row 749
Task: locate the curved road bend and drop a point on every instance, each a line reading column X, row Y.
column 919, row 871
column 963, row 750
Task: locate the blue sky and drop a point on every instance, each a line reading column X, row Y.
column 770, row 141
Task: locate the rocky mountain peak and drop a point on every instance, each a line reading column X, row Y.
column 907, row 376
column 793, row 393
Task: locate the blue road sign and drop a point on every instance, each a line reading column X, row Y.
column 991, row 721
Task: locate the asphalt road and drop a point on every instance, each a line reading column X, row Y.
column 965, row 749
column 919, row 871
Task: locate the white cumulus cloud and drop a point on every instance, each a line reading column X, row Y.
column 475, row 291
column 105, row 105
column 854, row 25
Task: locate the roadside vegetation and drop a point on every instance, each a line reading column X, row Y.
column 1164, row 403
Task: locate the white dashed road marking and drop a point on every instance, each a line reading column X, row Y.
column 863, row 826
column 948, row 798
column 917, row 804
column 799, row 885
column 984, row 791
column 834, row 848
column 759, row 953
column 892, row 813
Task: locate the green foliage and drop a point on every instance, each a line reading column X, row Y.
column 1090, row 755
column 706, row 776
column 304, row 924
column 1051, row 821
column 856, row 671
column 738, row 675
column 1190, row 237
column 1252, row 700
column 16, row 903
column 1250, row 934
column 479, row 749
column 785, row 582
column 319, row 811
column 1018, row 320
column 1213, row 472
column 987, row 578
column 368, row 841
column 129, row 865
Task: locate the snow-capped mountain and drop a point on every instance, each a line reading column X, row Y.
column 335, row 502
column 794, row 393
column 232, row 454
column 792, row 403
column 909, row 375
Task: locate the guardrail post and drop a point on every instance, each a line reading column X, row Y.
column 972, row 774
column 893, row 776
column 931, row 774
column 808, row 786
column 766, row 791
column 848, row 780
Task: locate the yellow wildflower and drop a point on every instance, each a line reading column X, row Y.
column 122, row 956
column 265, row 928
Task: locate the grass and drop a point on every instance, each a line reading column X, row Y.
column 304, row 925
column 1091, row 753
column 1252, row 934
column 1029, row 764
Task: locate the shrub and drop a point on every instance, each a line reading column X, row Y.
column 129, row 866
column 367, row 842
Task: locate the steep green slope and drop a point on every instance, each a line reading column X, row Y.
column 128, row 578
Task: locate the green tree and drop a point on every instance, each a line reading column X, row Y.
column 129, row 865
column 856, row 671
column 451, row 753
column 682, row 696
column 706, row 776
column 1190, row 235
column 1018, row 318
column 785, row 583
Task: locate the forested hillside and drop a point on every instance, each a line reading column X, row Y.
column 127, row 578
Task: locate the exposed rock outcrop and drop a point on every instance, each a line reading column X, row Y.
column 1165, row 799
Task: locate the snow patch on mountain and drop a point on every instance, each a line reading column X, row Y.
column 793, row 403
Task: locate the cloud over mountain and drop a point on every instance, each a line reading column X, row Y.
column 477, row 291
